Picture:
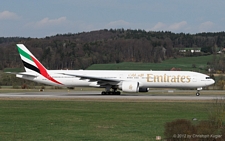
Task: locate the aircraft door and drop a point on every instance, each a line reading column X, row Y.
column 194, row 78
column 121, row 76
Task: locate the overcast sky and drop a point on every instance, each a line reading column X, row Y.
column 41, row 18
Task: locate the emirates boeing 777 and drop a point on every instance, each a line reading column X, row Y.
column 112, row 81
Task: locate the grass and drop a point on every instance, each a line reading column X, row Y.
column 185, row 63
column 80, row 120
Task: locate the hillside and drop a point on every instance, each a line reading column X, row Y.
column 198, row 64
column 79, row 51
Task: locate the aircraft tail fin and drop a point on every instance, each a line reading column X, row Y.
column 32, row 65
column 30, row 62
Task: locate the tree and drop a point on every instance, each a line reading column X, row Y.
column 179, row 126
column 221, row 82
column 207, row 49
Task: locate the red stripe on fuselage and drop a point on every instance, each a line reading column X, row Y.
column 43, row 71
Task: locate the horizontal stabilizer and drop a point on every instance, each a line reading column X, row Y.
column 23, row 74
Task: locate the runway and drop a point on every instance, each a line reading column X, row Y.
column 95, row 95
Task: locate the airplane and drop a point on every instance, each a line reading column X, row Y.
column 113, row 81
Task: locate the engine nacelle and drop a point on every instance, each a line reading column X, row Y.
column 130, row 86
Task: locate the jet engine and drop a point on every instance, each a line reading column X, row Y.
column 130, row 86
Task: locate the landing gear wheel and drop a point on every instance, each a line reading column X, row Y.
column 197, row 94
column 117, row 93
column 198, row 91
column 111, row 93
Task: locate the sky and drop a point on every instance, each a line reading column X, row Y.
column 41, row 18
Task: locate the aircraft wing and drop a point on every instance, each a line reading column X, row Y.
column 100, row 80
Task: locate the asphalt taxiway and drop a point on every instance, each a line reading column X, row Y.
column 95, row 95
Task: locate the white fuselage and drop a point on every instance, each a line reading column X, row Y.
column 146, row 79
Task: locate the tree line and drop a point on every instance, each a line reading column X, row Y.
column 80, row 50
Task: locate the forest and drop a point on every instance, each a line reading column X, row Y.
column 80, row 50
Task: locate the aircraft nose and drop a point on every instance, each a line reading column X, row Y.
column 212, row 82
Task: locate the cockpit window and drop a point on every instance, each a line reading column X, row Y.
column 208, row 78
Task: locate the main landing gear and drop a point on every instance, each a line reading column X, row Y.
column 111, row 93
column 198, row 91
column 108, row 92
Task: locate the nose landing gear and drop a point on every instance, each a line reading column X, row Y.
column 198, row 93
